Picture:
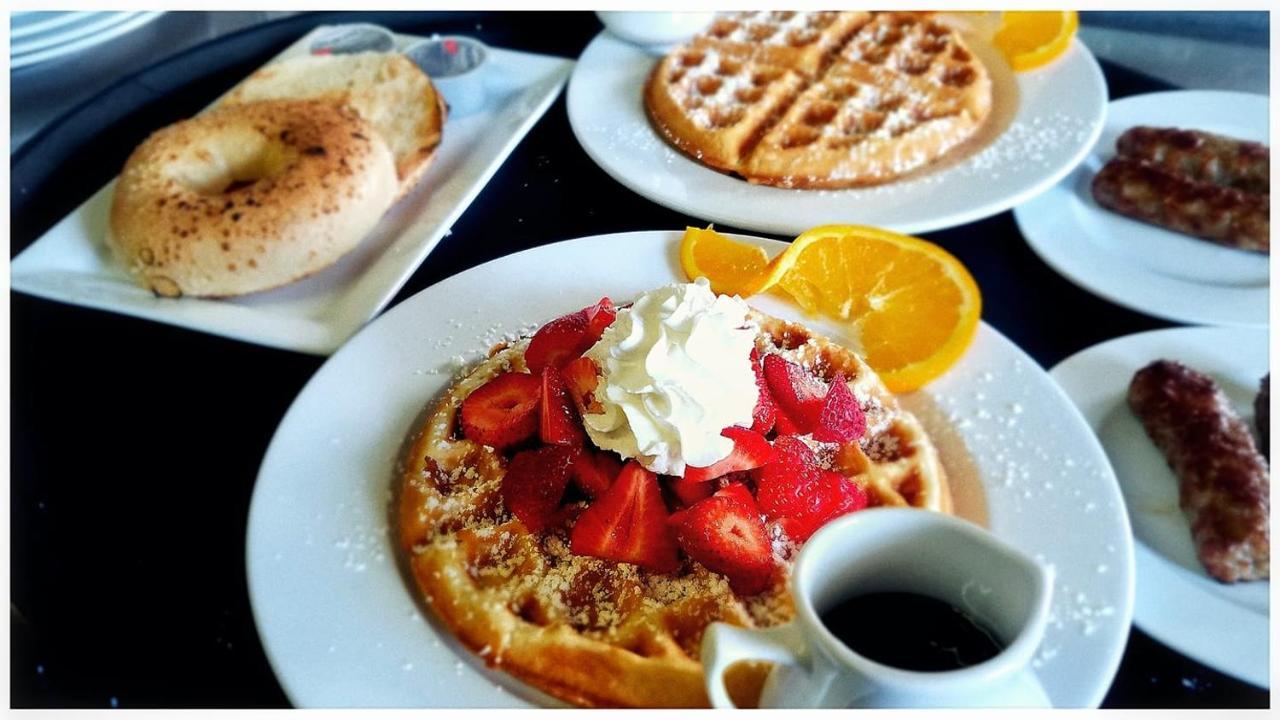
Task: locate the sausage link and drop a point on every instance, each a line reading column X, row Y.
column 1201, row 156
column 1149, row 193
column 1224, row 483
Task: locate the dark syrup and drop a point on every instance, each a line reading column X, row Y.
column 911, row 631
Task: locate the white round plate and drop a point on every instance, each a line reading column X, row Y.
column 121, row 24
column 27, row 24
column 1042, row 123
column 341, row 621
column 1141, row 266
column 1223, row 626
column 99, row 22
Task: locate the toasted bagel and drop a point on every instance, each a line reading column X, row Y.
column 250, row 196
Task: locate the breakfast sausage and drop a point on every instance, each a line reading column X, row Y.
column 1147, row 192
column 1201, row 156
column 1224, row 483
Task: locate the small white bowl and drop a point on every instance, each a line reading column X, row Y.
column 456, row 65
column 352, row 38
column 655, row 28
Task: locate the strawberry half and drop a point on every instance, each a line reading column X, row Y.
column 600, row 316
column 581, row 376
column 628, row 523
column 535, row 483
column 503, row 411
column 724, row 532
column 750, row 450
column 798, row 394
column 566, row 338
column 594, row 472
column 831, row 496
column 739, row 491
column 841, row 419
column 800, row 494
column 783, row 486
column 766, row 411
column 559, row 423
column 689, row 492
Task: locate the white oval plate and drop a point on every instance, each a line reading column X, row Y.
column 341, row 621
column 1144, row 267
column 1042, row 123
column 1223, row 626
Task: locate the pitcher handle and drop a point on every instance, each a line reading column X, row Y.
column 723, row 645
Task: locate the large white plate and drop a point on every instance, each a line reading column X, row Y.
column 1042, row 123
column 1223, row 626
column 1141, row 266
column 71, row 263
column 340, row 619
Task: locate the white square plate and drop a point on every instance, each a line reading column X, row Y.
column 71, row 262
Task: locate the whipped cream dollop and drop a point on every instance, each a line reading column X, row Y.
column 676, row 371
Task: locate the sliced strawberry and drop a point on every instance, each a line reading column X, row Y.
column 690, row 491
column 765, row 412
column 566, row 338
column 783, row 486
column 798, row 394
column 594, row 472
column 600, row 316
column 785, row 426
column 559, row 423
column 628, row 523
column 741, row 493
column 841, row 419
column 535, row 483
column 724, row 532
column 750, row 450
column 503, row 411
column 831, row 496
column 581, row 377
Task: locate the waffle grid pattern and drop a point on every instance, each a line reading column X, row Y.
column 820, row 99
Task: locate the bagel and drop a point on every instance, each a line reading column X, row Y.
column 249, row 197
column 387, row 89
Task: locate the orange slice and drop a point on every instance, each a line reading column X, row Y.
column 733, row 268
column 1030, row 39
column 913, row 307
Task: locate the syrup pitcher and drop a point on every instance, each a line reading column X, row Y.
column 949, row 616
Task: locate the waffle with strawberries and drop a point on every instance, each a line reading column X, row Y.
column 822, row 99
column 592, row 578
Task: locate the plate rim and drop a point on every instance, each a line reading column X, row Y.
column 1079, row 53
column 1114, row 649
column 1163, row 630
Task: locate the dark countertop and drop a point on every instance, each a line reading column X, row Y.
column 135, row 444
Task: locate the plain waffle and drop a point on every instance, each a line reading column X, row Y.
column 871, row 97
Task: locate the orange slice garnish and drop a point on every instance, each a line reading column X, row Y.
column 912, row 306
column 733, row 268
column 1030, row 39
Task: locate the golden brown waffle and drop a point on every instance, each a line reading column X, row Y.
column 596, row 632
column 804, row 42
column 868, row 99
